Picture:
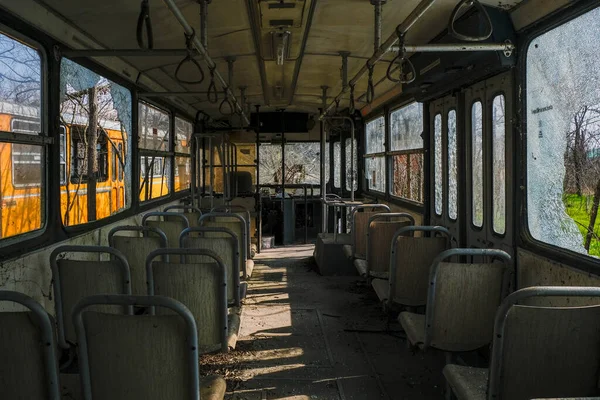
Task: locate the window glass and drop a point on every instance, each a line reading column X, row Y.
column 183, row 173
column 63, row 155
column 375, row 136
column 477, row 163
column 22, row 167
column 407, row 127
column 154, row 177
column 563, row 132
column 153, row 128
column 452, row 167
column 302, row 163
column 407, row 179
column 96, row 114
column 183, row 135
column 499, row 167
column 337, row 163
column 375, row 173
column 437, row 138
column 348, row 175
column 270, row 157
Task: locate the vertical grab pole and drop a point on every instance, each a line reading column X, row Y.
column 211, row 172
column 258, row 205
column 305, row 215
column 323, row 205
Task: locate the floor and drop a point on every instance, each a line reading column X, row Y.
column 306, row 336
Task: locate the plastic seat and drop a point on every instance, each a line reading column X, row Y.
column 152, row 357
column 28, row 369
column 227, row 248
column 242, row 212
column 358, row 229
column 381, row 229
column 410, row 260
column 74, row 279
column 538, row 352
column 171, row 223
column 200, row 284
column 136, row 248
column 462, row 300
column 192, row 213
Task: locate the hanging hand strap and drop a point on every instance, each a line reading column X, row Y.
column 482, row 11
column 399, row 62
column 144, row 20
column 189, row 39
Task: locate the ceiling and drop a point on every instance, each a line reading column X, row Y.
column 244, row 29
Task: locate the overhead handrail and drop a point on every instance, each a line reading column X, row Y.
column 228, row 103
column 401, row 60
column 212, row 94
column 370, row 87
column 189, row 58
column 482, row 10
column 144, row 20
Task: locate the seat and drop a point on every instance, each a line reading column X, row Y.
column 136, row 248
column 192, row 213
column 237, row 225
column 171, row 223
column 242, row 212
column 28, row 369
column 200, row 284
column 538, row 352
column 409, row 265
column 227, row 248
column 360, row 217
column 151, row 357
column 382, row 228
column 461, row 302
column 74, row 279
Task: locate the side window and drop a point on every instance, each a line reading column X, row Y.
column 452, row 167
column 375, row 154
column 23, row 166
column 183, row 170
column 63, row 155
column 348, row 149
column 477, row 163
column 96, row 114
column 337, row 164
column 155, row 160
column 499, row 164
column 437, row 137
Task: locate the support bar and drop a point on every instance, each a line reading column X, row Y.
column 414, row 16
column 75, row 53
column 507, row 47
column 202, row 50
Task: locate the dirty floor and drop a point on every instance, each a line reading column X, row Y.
column 305, row 336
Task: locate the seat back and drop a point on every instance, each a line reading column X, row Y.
column 359, row 227
column 28, row 369
column 382, row 228
column 192, row 213
column 463, row 298
column 171, row 223
column 226, row 247
column 241, row 211
column 234, row 223
column 546, row 351
column 199, row 284
column 125, row 357
column 75, row 279
column 410, row 260
column 136, row 248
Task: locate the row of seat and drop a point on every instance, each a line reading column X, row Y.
column 465, row 293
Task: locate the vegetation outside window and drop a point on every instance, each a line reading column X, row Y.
column 22, row 170
column 96, row 119
column 563, row 135
column 375, row 154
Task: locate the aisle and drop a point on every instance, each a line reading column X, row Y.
column 305, row 336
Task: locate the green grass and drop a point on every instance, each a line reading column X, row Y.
column 578, row 208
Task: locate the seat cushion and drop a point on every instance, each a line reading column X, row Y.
column 249, row 268
column 212, row 387
column 382, row 288
column 361, row 267
column 379, row 274
column 347, row 249
column 414, row 326
column 468, row 383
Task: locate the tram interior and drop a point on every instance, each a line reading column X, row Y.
column 299, row 199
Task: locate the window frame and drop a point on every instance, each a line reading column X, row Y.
column 375, row 155
column 493, row 96
column 177, row 154
column 456, row 161
column 470, row 164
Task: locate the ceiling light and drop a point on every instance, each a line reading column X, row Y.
column 281, row 46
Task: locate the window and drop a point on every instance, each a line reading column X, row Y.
column 183, row 161
column 375, row 154
column 337, row 164
column 477, row 163
column 439, row 187
column 270, row 156
column 499, row 166
column 563, row 135
column 155, row 158
column 63, row 155
column 452, row 167
column 407, row 152
column 348, row 175
column 22, row 170
column 96, row 115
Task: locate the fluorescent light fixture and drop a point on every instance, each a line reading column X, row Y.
column 281, row 46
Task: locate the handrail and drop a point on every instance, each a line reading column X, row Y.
column 482, row 10
column 144, row 19
column 189, row 58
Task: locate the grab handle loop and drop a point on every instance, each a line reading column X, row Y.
column 189, row 59
column 212, row 94
column 482, row 11
column 400, row 61
column 228, row 103
column 370, row 87
column 337, row 105
column 351, row 106
column 144, row 20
